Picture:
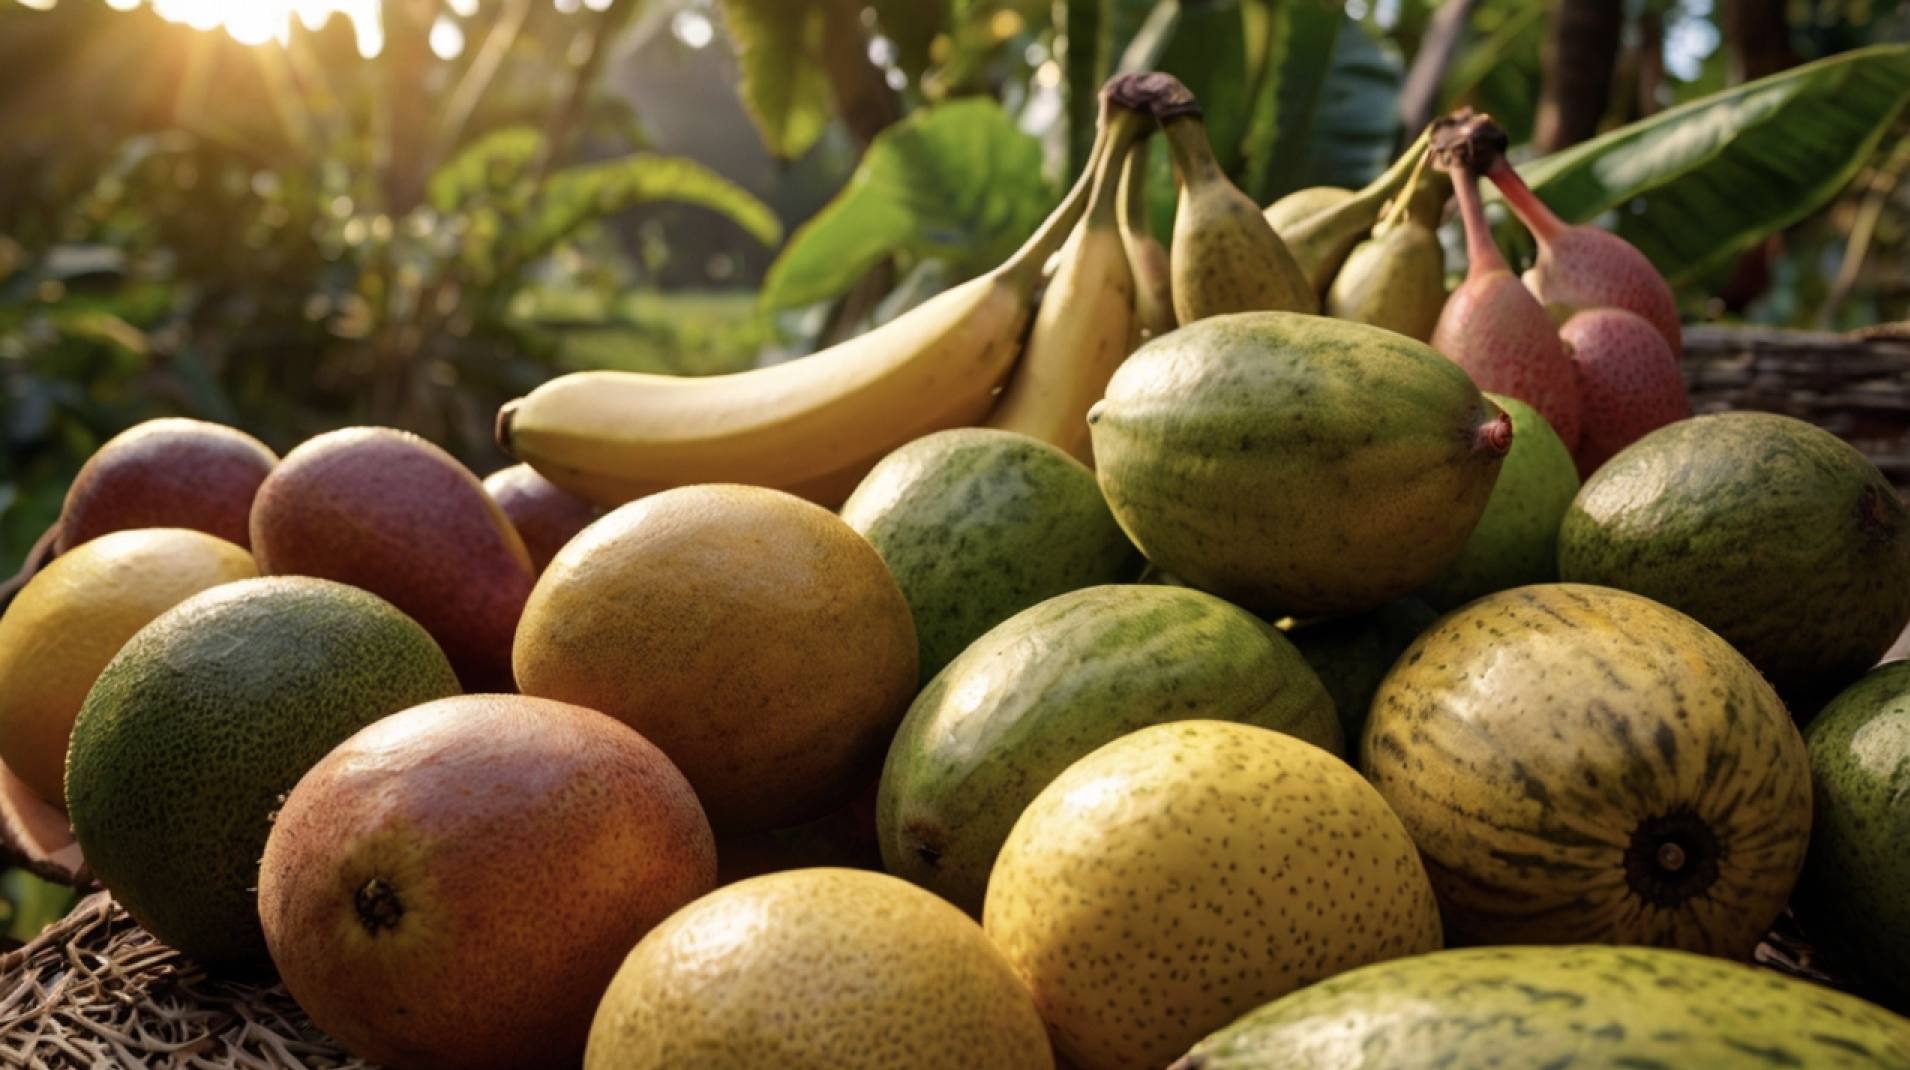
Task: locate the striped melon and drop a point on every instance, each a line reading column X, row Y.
column 1539, row 1008
column 1582, row 765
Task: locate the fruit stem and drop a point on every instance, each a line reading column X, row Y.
column 1481, row 251
column 1193, row 154
column 1544, row 223
column 1497, row 435
column 1134, row 216
column 1122, row 126
column 1023, row 268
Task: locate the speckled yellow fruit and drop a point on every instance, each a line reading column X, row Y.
column 817, row 969
column 73, row 616
column 1184, row 874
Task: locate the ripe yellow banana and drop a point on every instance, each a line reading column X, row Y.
column 1146, row 256
column 613, row 436
column 1081, row 331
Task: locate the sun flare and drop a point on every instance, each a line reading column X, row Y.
column 255, row 22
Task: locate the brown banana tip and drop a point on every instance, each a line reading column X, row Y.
column 1468, row 140
column 502, row 430
column 1156, row 92
column 1496, row 436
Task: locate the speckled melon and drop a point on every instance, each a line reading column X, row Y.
column 1575, row 1008
column 1296, row 465
column 1582, row 765
column 978, row 524
column 1851, row 899
column 1187, row 872
column 1772, row 532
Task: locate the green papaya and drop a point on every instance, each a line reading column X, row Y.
column 1296, row 465
column 977, row 524
column 1850, row 898
column 1771, row 531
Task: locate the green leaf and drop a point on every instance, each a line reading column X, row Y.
column 1327, row 107
column 1355, row 132
column 491, row 166
column 779, row 45
column 912, row 26
column 956, row 181
column 1699, row 183
column 1497, row 69
column 579, row 195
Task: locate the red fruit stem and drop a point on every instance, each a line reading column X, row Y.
column 1497, row 435
column 1544, row 223
column 1482, row 253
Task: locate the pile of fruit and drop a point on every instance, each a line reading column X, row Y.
column 1111, row 663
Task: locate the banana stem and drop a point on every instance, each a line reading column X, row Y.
column 1134, row 187
column 1193, row 155
column 1123, row 126
column 1544, row 223
column 1397, row 207
column 1024, row 267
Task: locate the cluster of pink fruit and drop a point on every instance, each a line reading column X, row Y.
column 1604, row 376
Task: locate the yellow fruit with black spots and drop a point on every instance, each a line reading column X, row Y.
column 73, row 616
column 817, row 969
column 1186, row 873
column 455, row 885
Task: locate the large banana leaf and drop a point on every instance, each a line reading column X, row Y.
column 955, row 181
column 579, row 195
column 1698, row 183
column 1353, row 130
column 785, row 86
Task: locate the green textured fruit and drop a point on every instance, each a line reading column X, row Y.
column 1850, row 898
column 1582, row 765
column 1772, row 532
column 1296, row 465
column 1541, row 1008
column 978, row 524
column 1352, row 654
column 1516, row 542
column 203, row 722
column 1053, row 683
column 1188, row 871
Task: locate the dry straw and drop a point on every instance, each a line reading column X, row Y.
column 96, row 990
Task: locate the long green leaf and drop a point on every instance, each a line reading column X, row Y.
column 1701, row 182
column 955, row 181
column 489, row 166
column 579, row 195
column 779, row 46
column 1300, row 37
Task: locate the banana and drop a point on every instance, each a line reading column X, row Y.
column 1146, row 256
column 1302, row 203
column 612, row 436
column 1397, row 278
column 1321, row 241
column 1081, row 332
column 1225, row 256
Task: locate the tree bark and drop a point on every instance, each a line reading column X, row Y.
column 1757, row 39
column 407, row 57
column 1581, row 52
column 864, row 100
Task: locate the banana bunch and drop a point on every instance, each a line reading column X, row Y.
column 997, row 351
column 815, row 426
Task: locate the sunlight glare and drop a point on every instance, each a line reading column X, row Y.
column 254, row 22
column 40, row 5
column 447, row 40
